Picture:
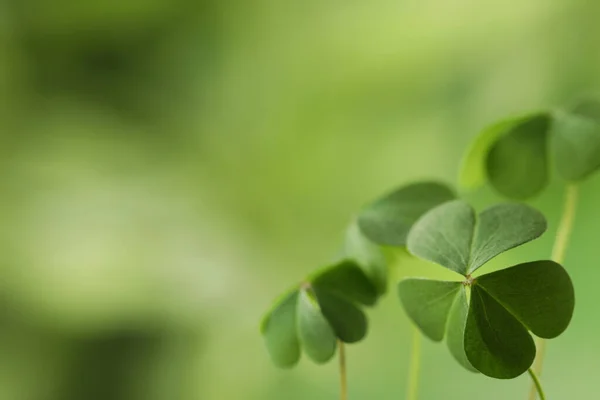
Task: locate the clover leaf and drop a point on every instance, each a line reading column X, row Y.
column 575, row 141
column 314, row 315
column 452, row 236
column 511, row 155
column 388, row 219
column 489, row 334
column 372, row 258
column 514, row 155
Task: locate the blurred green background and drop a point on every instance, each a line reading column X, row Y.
column 168, row 167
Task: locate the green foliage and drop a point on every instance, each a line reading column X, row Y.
column 318, row 313
column 279, row 330
column 539, row 294
column 455, row 331
column 517, row 163
column 486, row 320
column 315, row 333
column 452, row 236
column 428, row 303
column 490, row 334
column 495, row 342
column 372, row 258
column 576, row 141
column 514, row 155
column 388, row 219
column 502, row 150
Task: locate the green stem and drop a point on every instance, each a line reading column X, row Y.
column 558, row 254
column 537, row 384
column 343, row 375
column 415, row 366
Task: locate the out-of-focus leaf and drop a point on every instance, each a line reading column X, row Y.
column 314, row 331
column 517, row 163
column 388, row 220
column 575, row 141
column 348, row 280
column 473, row 171
column 348, row 321
column 279, row 332
column 369, row 256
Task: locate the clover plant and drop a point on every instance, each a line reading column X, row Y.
column 489, row 333
column 516, row 155
column 487, row 320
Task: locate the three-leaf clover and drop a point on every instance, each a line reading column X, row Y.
column 317, row 313
column 489, row 333
column 514, row 155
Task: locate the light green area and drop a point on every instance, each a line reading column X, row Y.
column 170, row 167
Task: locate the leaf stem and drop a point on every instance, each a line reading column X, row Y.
column 343, row 375
column 415, row 366
column 558, row 254
column 566, row 224
column 537, row 384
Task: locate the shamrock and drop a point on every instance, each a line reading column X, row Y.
column 327, row 306
column 489, row 333
column 319, row 312
column 514, row 155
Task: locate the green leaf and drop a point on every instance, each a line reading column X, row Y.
column 588, row 108
column 444, row 235
column 427, row 303
column 370, row 257
column 473, row 171
column 517, row 163
column 539, row 294
column 348, row 321
column 388, row 220
column 503, row 227
column 279, row 332
column 575, row 143
column 453, row 237
column 314, row 331
column 348, row 280
column 457, row 321
column 496, row 344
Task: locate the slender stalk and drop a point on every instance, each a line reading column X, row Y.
column 415, row 366
column 343, row 375
column 566, row 224
column 536, row 384
column 558, row 254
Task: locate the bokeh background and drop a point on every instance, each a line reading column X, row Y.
column 168, row 167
